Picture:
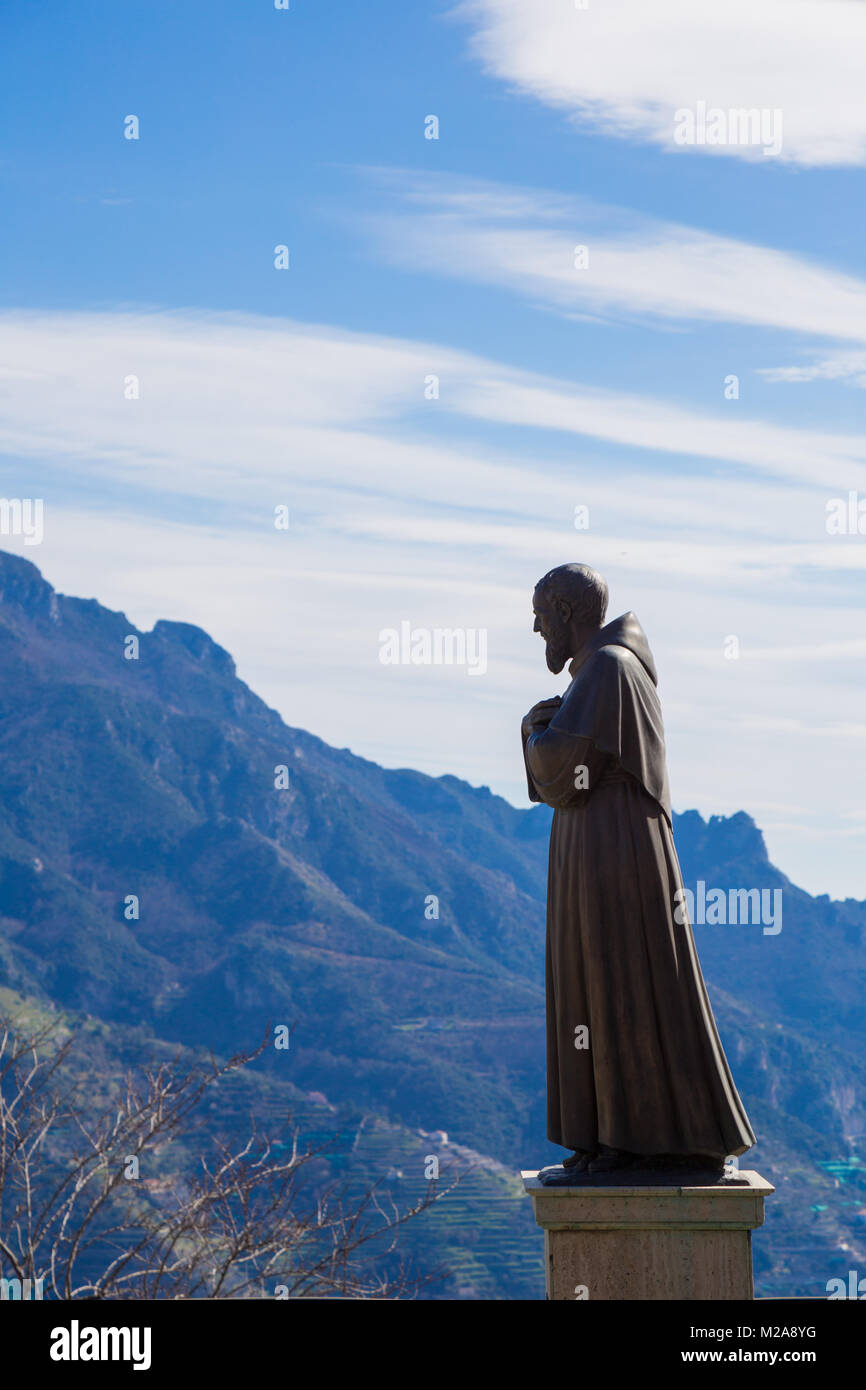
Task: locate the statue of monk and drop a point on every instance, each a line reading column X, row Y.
column 636, row 1073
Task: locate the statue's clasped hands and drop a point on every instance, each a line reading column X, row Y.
column 540, row 715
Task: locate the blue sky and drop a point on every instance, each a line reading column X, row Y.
column 558, row 386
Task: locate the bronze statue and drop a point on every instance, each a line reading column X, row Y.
column 636, row 1074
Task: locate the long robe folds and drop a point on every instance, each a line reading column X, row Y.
column 634, row 1059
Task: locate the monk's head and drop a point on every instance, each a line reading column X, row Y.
column 570, row 603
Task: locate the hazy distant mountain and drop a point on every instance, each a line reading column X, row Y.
column 154, row 778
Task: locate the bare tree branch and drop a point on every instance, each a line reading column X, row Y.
column 242, row 1220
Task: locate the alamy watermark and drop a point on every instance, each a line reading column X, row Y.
column 846, row 516
column 855, row 1287
column 740, row 125
column 77, row 1343
column 438, row 646
column 21, row 1290
column 23, row 516
column 735, row 907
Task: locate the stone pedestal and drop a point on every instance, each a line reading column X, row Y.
column 649, row 1242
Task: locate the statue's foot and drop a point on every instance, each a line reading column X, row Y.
column 583, row 1168
column 562, row 1177
column 573, row 1162
column 577, row 1157
column 582, row 1173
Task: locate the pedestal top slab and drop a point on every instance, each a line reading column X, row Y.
column 749, row 1181
column 650, row 1205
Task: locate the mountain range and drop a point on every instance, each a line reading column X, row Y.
column 179, row 867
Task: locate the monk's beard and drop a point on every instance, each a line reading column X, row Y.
column 557, row 653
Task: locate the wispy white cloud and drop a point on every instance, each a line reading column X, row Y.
column 225, row 400
column 163, row 507
column 849, row 367
column 524, row 241
column 624, row 67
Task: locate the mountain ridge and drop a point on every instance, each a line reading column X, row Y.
column 154, row 779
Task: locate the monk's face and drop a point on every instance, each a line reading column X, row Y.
column 556, row 631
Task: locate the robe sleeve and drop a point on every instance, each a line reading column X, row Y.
column 553, row 759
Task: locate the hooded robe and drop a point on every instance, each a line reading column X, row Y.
column 634, row 1059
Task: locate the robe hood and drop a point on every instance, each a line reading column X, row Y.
column 624, row 631
column 613, row 701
